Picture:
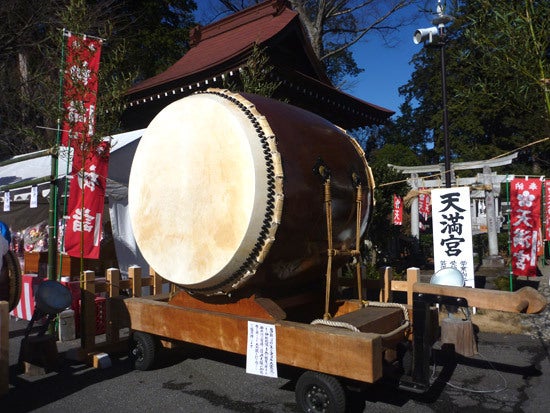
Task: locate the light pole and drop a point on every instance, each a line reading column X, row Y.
column 436, row 36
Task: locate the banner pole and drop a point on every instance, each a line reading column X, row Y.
column 510, row 272
column 53, row 204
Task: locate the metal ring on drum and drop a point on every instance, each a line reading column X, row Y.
column 222, row 192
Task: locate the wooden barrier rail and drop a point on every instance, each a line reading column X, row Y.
column 385, row 285
column 389, row 284
column 112, row 285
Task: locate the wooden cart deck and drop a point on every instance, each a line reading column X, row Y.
column 327, row 349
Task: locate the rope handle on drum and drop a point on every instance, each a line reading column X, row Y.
column 330, row 250
column 359, row 195
column 321, row 169
column 324, row 172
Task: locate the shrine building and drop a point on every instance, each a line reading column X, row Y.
column 220, row 50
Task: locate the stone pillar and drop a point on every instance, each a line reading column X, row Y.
column 415, row 225
column 493, row 259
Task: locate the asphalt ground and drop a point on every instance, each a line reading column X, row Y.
column 510, row 373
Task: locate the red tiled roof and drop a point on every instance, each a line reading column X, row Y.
column 224, row 40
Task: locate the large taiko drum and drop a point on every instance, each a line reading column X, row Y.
column 225, row 193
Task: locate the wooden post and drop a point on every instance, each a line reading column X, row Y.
column 113, row 281
column 112, row 333
column 87, row 311
column 4, row 348
column 413, row 274
column 460, row 333
column 134, row 273
column 386, row 294
column 156, row 282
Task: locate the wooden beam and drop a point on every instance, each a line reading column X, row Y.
column 321, row 348
column 525, row 300
column 505, row 160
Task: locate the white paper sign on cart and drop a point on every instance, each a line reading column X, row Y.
column 261, row 353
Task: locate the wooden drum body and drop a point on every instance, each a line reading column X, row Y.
column 224, row 193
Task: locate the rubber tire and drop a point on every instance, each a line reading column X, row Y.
column 143, row 350
column 317, row 392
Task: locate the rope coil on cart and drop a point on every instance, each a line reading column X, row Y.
column 340, row 324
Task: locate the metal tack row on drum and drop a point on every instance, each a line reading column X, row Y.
column 225, row 193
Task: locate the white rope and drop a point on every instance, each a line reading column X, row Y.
column 503, row 387
column 406, row 324
column 340, row 324
column 394, row 305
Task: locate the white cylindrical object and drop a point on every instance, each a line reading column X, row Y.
column 67, row 330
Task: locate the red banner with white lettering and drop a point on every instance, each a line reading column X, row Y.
column 525, row 225
column 424, row 203
column 397, row 210
column 83, row 229
column 547, row 210
column 80, row 88
column 90, row 159
column 424, row 207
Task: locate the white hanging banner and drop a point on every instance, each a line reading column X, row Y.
column 261, row 349
column 7, row 201
column 34, row 197
column 452, row 231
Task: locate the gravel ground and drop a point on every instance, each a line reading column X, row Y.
column 538, row 325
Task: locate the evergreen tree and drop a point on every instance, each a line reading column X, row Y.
column 254, row 76
column 496, row 100
column 142, row 38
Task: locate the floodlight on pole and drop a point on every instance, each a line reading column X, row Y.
column 428, row 34
column 436, row 36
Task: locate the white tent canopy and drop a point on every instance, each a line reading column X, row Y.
column 123, row 147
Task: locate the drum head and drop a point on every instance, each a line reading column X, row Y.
column 201, row 191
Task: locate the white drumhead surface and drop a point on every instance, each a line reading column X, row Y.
column 197, row 188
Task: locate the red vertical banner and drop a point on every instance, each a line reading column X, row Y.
column 90, row 159
column 547, row 210
column 397, row 210
column 86, row 202
column 424, row 207
column 525, row 225
column 80, row 88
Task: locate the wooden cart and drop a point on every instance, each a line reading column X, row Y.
column 357, row 343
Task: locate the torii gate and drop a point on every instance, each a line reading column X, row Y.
column 488, row 181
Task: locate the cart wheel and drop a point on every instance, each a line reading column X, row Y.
column 318, row 392
column 143, row 350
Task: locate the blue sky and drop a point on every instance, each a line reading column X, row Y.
column 385, row 68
